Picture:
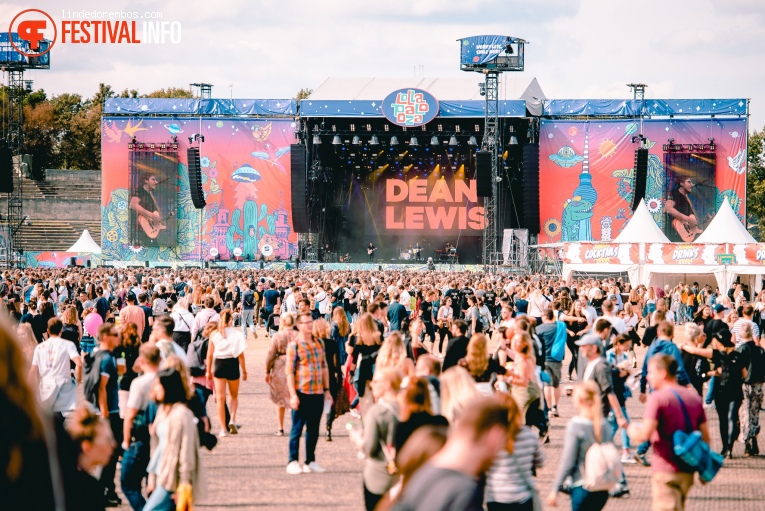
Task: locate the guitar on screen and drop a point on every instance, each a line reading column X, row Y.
column 152, row 227
column 371, row 251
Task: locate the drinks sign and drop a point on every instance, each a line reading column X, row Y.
column 410, row 107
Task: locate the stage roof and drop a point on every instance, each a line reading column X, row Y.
column 657, row 107
column 211, row 107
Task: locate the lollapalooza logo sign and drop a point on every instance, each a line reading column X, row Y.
column 410, row 107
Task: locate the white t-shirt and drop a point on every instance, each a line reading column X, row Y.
column 177, row 350
column 405, row 299
column 230, row 346
column 140, row 391
column 52, row 358
column 617, row 323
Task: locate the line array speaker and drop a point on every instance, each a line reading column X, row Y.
column 531, row 188
column 641, row 176
column 483, row 173
column 6, row 170
column 195, row 178
column 298, row 170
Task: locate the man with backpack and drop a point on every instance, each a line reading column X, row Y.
column 101, row 390
column 135, row 458
column 670, row 408
column 753, row 357
column 249, row 299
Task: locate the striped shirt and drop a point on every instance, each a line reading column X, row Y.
column 736, row 330
column 306, row 360
column 504, row 482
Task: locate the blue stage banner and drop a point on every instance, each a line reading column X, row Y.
column 366, row 108
column 9, row 55
column 410, row 107
column 482, row 49
column 217, row 107
column 631, row 108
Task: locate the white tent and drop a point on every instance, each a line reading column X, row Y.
column 725, row 227
column 641, row 228
column 85, row 244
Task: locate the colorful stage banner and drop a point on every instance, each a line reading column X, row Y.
column 750, row 254
column 587, row 173
column 683, row 253
column 245, row 170
column 601, row 253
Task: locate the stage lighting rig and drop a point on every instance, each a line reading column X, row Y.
column 196, row 137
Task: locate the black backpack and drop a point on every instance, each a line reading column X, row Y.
column 249, row 298
column 91, row 375
column 196, row 356
column 756, row 369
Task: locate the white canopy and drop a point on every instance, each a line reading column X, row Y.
column 85, row 244
column 725, row 227
column 641, row 228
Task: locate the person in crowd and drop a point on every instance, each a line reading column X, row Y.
column 397, row 313
column 363, row 347
column 276, row 375
column 72, row 329
column 479, row 364
column 339, row 331
column 225, row 355
column 697, row 368
column 50, row 370
column 133, row 314
column 249, row 304
column 127, row 352
column 509, row 483
column 174, row 466
column 94, row 446
column 753, row 359
column 730, row 371
column 183, row 320
column 576, row 325
column 321, row 332
column 587, row 427
column 415, row 411
column 308, row 384
column 444, row 319
column 26, row 340
column 393, row 353
column 450, row 479
column 458, row 390
column 619, row 359
column 668, row 407
column 376, row 440
column 135, row 446
column 204, row 316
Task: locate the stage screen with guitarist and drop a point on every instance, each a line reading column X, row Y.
column 691, row 194
column 153, row 195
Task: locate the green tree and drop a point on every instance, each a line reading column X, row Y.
column 755, row 184
column 170, row 92
column 40, row 136
column 302, row 94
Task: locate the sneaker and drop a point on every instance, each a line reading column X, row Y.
column 222, row 434
column 628, row 458
column 233, row 429
column 620, row 490
column 640, row 458
column 555, row 411
column 313, row 467
column 280, row 432
column 355, row 414
column 293, row 468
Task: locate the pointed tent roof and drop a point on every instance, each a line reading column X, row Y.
column 725, row 227
column 85, row 244
column 641, row 228
column 534, row 97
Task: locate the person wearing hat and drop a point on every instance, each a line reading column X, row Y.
column 598, row 370
column 730, row 370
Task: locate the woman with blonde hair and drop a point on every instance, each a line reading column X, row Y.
column 72, row 330
column 226, row 349
column 509, row 481
column 276, row 376
column 458, row 390
column 583, row 430
column 183, row 320
column 415, row 410
column 339, row 331
column 26, row 340
column 522, row 377
column 393, row 354
column 478, row 363
column 363, row 347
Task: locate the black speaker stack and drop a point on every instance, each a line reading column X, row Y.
column 298, row 170
column 531, row 187
column 195, row 178
column 641, row 176
column 483, row 173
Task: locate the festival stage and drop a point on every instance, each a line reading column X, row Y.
column 289, row 265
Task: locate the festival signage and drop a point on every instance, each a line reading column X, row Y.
column 601, row 253
column 753, row 253
column 482, row 49
column 410, row 107
column 683, row 253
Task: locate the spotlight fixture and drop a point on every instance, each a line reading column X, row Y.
column 393, row 140
column 356, row 140
column 453, row 140
column 316, row 140
column 513, row 140
column 374, row 140
column 336, row 140
column 413, row 141
column 434, row 140
column 472, row 141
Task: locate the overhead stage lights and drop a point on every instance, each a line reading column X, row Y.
column 453, row 140
column 393, row 140
column 513, row 140
column 472, row 141
column 434, row 140
column 316, row 140
column 336, row 140
column 413, row 141
column 356, row 140
column 374, row 140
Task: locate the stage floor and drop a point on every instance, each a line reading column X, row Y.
column 288, row 265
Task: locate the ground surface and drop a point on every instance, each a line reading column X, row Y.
column 247, row 471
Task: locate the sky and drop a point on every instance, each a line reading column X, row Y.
column 272, row 48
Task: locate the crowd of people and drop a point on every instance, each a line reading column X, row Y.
column 453, row 381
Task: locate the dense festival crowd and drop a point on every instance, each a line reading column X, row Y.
column 452, row 380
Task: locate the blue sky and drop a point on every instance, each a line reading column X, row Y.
column 579, row 49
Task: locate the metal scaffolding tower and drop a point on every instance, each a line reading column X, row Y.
column 491, row 143
column 15, row 141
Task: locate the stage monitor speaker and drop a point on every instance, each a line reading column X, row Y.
column 6, row 170
column 531, row 188
column 641, row 176
column 483, row 182
column 195, row 178
column 298, row 169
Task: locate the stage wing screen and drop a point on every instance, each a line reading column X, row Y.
column 153, row 196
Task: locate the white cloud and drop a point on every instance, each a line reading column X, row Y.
column 272, row 48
